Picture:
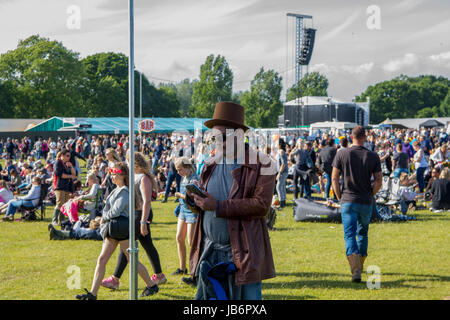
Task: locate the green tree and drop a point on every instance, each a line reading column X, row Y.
column 46, row 78
column 262, row 103
column 215, row 84
column 6, row 100
column 312, row 84
column 169, row 102
column 184, row 91
column 406, row 97
column 444, row 108
column 107, row 93
column 237, row 97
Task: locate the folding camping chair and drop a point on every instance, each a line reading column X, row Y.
column 383, row 194
column 39, row 210
column 394, row 199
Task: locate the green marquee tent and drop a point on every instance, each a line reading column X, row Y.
column 118, row 125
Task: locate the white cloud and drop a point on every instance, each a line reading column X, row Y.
column 360, row 69
column 407, row 60
column 441, row 56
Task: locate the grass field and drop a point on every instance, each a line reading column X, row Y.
column 413, row 258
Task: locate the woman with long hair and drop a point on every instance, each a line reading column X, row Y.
column 186, row 218
column 117, row 204
column 63, row 176
column 112, row 158
column 145, row 183
column 282, row 158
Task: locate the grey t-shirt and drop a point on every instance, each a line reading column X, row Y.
column 216, row 246
column 219, row 186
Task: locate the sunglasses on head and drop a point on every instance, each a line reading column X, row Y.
column 115, row 171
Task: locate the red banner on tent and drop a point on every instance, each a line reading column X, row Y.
column 147, row 125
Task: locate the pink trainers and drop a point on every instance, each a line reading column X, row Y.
column 161, row 279
column 111, row 283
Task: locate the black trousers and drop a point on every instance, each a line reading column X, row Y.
column 148, row 246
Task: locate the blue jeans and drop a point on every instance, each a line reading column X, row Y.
column 248, row 291
column 86, row 234
column 173, row 175
column 420, row 179
column 154, row 163
column 398, row 172
column 355, row 220
column 281, row 186
column 328, row 185
column 23, row 185
column 16, row 204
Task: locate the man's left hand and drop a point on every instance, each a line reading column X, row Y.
column 206, row 204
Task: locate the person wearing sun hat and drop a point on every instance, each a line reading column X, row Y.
column 231, row 226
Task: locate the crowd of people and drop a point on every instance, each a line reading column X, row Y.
column 165, row 164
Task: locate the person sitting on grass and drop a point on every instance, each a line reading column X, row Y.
column 78, row 232
column 440, row 191
column 186, row 218
column 5, row 196
column 31, row 200
column 14, row 180
column 116, row 205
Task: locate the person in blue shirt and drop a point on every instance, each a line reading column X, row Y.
column 157, row 153
column 425, row 144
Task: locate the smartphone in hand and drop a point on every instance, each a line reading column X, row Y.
column 192, row 188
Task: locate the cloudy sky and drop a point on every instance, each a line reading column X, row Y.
column 173, row 37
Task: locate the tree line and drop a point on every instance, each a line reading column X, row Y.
column 41, row 79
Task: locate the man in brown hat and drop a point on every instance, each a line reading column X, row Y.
column 231, row 232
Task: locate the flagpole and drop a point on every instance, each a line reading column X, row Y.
column 140, row 114
column 133, row 249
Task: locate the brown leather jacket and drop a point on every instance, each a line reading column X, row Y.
column 246, row 209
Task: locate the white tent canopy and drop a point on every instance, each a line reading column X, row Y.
column 333, row 125
column 314, row 101
column 17, row 125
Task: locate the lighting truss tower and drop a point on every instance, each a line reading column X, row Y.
column 299, row 42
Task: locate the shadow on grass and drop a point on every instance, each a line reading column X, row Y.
column 284, row 297
column 321, row 281
column 432, row 217
column 176, row 297
column 164, row 223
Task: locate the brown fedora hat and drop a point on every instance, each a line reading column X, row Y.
column 228, row 114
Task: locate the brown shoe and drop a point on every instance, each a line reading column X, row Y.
column 361, row 262
column 355, row 267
